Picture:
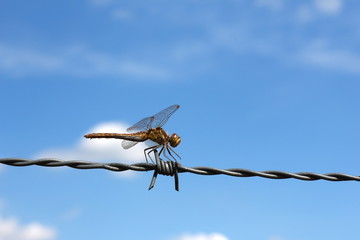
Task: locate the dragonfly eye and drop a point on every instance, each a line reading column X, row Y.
column 174, row 140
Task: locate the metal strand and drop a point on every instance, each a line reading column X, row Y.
column 235, row 172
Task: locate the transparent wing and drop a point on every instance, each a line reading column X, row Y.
column 158, row 120
column 150, row 143
column 126, row 144
column 161, row 118
column 141, row 125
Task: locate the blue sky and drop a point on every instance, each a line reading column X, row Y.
column 263, row 85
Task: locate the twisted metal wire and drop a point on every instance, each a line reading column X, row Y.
column 168, row 169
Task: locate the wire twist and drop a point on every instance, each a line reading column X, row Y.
column 171, row 168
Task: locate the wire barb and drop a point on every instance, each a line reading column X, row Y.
column 171, row 168
column 168, row 168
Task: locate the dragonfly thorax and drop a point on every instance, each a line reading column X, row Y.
column 161, row 137
column 158, row 135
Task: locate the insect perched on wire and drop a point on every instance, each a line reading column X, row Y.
column 149, row 128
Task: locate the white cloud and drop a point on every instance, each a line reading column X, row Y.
column 99, row 150
column 329, row 6
column 202, row 236
column 76, row 61
column 10, row 229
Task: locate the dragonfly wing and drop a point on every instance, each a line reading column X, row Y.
column 126, row 144
column 161, row 118
column 150, row 143
column 141, row 125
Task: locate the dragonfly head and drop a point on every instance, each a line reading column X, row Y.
column 174, row 140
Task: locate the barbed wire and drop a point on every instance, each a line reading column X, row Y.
column 171, row 168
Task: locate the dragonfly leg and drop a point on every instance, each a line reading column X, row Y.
column 174, row 152
column 148, row 150
column 161, row 150
column 154, row 149
column 170, row 154
column 145, row 153
column 166, row 149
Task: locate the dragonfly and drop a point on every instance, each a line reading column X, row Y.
column 149, row 128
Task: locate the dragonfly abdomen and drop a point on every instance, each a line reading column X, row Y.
column 137, row 137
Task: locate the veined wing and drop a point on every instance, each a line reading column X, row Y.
column 141, row 125
column 162, row 117
column 158, row 120
column 126, row 144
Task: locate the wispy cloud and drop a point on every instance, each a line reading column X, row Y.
column 71, row 214
column 305, row 14
column 99, row 150
column 75, row 61
column 122, row 14
column 11, row 229
column 320, row 55
column 161, row 60
column 202, row 236
column 101, row 2
column 319, row 52
column 329, row 6
column 271, row 4
column 308, row 12
column 276, row 237
column 18, row 61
